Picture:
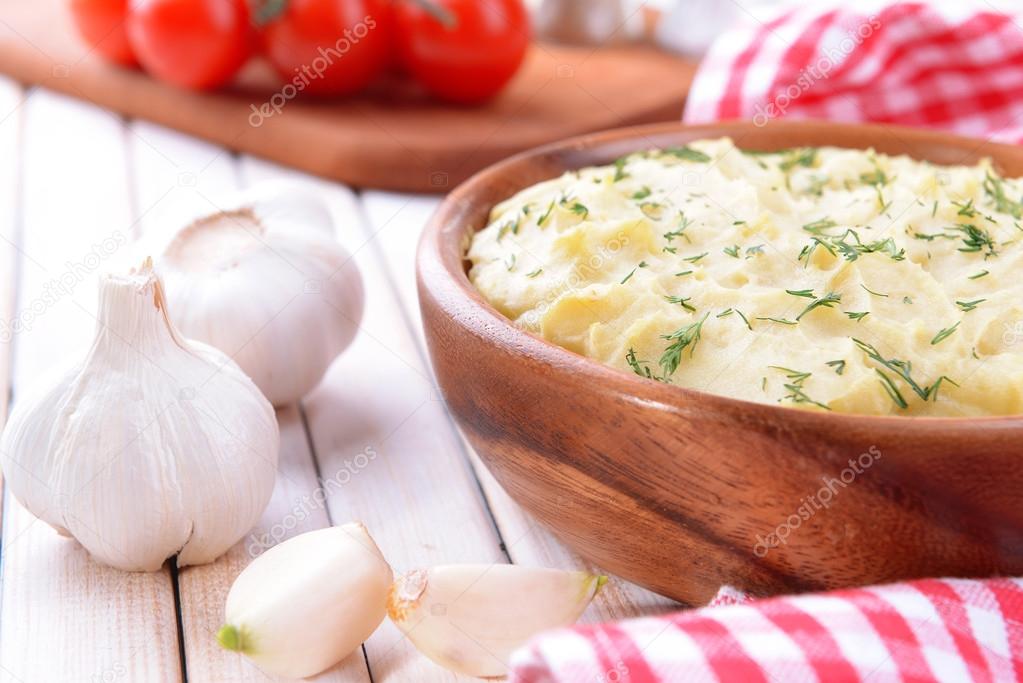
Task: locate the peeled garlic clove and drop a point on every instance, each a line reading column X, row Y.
column 264, row 280
column 308, row 603
column 470, row 618
column 150, row 447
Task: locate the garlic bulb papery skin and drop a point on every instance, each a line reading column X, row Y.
column 150, row 447
column 306, row 604
column 470, row 618
column 264, row 281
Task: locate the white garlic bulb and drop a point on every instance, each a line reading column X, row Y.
column 308, row 603
column 470, row 618
column 264, row 281
column 151, row 446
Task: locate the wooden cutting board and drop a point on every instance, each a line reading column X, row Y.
column 393, row 138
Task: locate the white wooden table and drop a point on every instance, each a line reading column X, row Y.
column 72, row 175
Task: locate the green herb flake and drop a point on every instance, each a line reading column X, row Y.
column 944, row 334
column 969, row 305
column 827, row 301
column 685, row 337
column 837, row 365
column 857, row 316
column 797, row 394
column 687, row 154
column 870, row 291
column 642, row 193
column 994, row 188
column 681, row 301
column 732, row 251
column 546, row 215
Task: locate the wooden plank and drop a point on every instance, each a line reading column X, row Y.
column 181, row 177
column 414, row 490
column 398, row 221
column 63, row 616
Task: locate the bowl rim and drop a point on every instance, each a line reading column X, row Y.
column 441, row 275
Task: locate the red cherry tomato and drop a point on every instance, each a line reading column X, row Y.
column 329, row 47
column 197, row 44
column 101, row 24
column 463, row 51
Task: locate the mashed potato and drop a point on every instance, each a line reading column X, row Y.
column 821, row 278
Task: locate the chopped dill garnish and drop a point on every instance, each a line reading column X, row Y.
column 687, row 153
column 826, row 301
column 534, row 273
column 755, row 250
column 684, row 272
column 681, row 301
column 685, row 337
column 902, row 368
column 934, row 208
column 978, row 275
column 857, row 316
column 620, row 173
column 683, row 223
column 780, row 321
column 640, row 367
column 869, row 291
column 819, row 225
column 795, row 387
column 944, row 334
column 994, row 188
column 694, row 259
column 744, row 319
column 510, row 263
column 892, row 390
column 969, row 305
column 725, row 313
column 838, row 365
column 509, row 226
column 629, row 276
column 907, row 300
column 546, row 214
column 974, row 239
column 965, row 208
column 732, row 251
column 578, row 209
column 805, row 157
column 642, row 193
column 807, row 293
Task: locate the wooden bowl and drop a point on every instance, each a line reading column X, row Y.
column 680, row 490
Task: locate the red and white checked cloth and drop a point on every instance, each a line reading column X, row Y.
column 932, row 630
column 956, row 65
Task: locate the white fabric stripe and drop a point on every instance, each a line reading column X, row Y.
column 937, row 647
column 767, row 62
column 770, row 647
column 853, row 633
column 669, row 652
column 565, row 652
column 987, row 625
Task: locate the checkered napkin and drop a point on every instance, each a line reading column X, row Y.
column 956, row 65
column 953, row 65
column 931, row 630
